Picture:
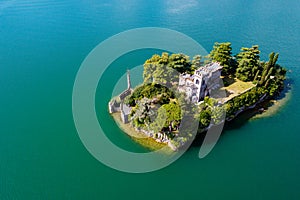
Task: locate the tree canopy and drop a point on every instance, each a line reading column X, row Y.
column 165, row 69
column 155, row 108
column 150, row 91
column 248, row 63
column 222, row 53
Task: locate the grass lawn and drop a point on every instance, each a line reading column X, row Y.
column 236, row 88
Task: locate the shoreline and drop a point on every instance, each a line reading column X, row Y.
column 273, row 106
column 139, row 137
column 270, row 106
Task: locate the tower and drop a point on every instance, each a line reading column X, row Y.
column 128, row 80
column 198, row 82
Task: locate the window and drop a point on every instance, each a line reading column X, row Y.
column 197, row 81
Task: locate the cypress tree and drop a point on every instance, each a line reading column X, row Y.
column 263, row 76
column 256, row 75
column 269, row 73
column 267, row 83
column 275, row 59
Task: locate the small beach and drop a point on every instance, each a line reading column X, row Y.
column 272, row 107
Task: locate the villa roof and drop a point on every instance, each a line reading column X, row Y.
column 212, row 67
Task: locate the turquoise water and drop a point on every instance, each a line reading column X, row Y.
column 42, row 45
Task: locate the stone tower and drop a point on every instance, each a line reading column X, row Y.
column 128, row 80
column 198, row 83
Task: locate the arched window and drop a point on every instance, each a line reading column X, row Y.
column 197, row 81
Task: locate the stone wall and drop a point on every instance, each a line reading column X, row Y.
column 113, row 106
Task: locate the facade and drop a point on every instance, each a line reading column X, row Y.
column 201, row 83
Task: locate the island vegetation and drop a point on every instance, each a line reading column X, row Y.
column 156, row 105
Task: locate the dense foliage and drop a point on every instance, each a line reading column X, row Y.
column 168, row 118
column 165, row 69
column 246, row 99
column 150, row 115
column 210, row 112
column 248, row 63
column 272, row 76
column 222, row 53
column 247, row 66
column 161, row 94
column 268, row 76
column 156, row 109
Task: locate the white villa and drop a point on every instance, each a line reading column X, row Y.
column 201, row 83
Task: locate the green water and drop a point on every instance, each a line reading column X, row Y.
column 42, row 45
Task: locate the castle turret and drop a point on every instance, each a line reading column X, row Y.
column 128, row 80
column 128, row 91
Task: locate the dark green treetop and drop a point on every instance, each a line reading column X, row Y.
column 248, row 63
column 222, row 53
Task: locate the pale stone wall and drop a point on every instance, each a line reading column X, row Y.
column 199, row 85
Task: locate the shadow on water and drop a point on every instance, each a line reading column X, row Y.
column 244, row 117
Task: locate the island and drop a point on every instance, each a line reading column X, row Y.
column 210, row 90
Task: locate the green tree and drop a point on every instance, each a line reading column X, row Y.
column 142, row 114
column 269, row 68
column 165, row 69
column 256, row 75
column 222, row 53
column 180, row 63
column 204, row 118
column 248, row 63
column 160, row 120
column 217, row 114
column 168, row 117
column 173, row 111
column 150, row 91
column 196, row 63
column 149, row 67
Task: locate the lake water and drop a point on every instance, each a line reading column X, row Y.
column 42, row 45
